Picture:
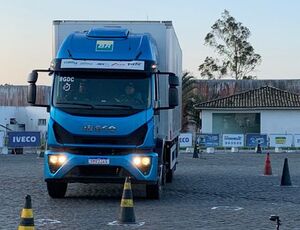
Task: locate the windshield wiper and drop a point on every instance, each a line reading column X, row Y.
column 115, row 106
column 77, row 104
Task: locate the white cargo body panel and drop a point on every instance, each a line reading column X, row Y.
column 170, row 59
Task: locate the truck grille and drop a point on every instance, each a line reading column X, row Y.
column 97, row 171
column 135, row 138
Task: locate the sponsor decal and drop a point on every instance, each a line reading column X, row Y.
column 104, row 46
column 233, row 140
column 208, row 140
column 281, row 140
column 253, row 139
column 93, row 64
column 67, row 87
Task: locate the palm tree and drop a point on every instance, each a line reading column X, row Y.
column 190, row 97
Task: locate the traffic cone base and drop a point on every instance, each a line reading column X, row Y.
column 117, row 223
column 27, row 221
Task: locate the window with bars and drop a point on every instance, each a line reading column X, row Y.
column 42, row 122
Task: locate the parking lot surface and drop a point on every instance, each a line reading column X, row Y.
column 215, row 191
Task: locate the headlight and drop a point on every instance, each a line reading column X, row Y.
column 142, row 163
column 137, row 161
column 146, row 161
column 56, row 161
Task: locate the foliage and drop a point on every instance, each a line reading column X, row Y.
column 190, row 97
column 237, row 57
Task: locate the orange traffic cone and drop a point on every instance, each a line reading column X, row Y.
column 268, row 168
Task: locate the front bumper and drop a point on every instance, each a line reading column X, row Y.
column 78, row 168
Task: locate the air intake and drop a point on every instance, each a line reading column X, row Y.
column 108, row 33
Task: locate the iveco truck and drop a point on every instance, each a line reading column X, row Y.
column 115, row 108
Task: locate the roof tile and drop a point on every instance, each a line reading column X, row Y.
column 262, row 97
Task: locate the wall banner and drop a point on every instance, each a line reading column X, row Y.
column 233, row 140
column 185, row 140
column 281, row 140
column 208, row 140
column 24, row 139
column 252, row 140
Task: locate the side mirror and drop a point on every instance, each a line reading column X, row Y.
column 32, row 77
column 173, row 97
column 173, row 91
column 173, row 80
column 31, row 93
column 31, row 90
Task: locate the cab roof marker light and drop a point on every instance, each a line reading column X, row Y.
column 154, row 66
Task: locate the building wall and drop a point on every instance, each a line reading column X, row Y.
column 16, row 95
column 272, row 121
column 206, row 117
column 280, row 122
column 24, row 115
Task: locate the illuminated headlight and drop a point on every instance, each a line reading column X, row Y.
column 56, row 161
column 137, row 161
column 142, row 163
column 146, row 161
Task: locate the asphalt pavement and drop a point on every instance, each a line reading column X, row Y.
column 215, row 191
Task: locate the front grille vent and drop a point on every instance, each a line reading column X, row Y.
column 135, row 138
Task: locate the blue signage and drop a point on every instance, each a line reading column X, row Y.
column 24, row 139
column 252, row 139
column 208, row 140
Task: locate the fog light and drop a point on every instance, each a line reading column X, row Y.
column 137, row 161
column 143, row 164
column 62, row 159
column 146, row 161
column 56, row 161
column 53, row 159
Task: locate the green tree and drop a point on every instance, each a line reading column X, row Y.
column 236, row 55
column 190, row 97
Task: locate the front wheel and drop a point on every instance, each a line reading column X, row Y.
column 153, row 191
column 57, row 189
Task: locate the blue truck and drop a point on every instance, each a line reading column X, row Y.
column 115, row 108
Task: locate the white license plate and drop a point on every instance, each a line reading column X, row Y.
column 99, row 161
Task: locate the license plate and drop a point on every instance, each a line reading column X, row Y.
column 99, row 161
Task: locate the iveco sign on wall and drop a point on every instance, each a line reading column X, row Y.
column 24, row 139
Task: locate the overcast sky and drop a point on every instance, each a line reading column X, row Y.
column 26, row 30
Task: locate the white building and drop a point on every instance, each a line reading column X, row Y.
column 24, row 118
column 266, row 110
column 17, row 115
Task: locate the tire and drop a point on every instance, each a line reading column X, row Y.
column 169, row 176
column 153, row 191
column 164, row 176
column 57, row 189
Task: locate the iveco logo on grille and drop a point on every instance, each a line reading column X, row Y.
column 99, row 128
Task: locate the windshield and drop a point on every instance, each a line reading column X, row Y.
column 105, row 91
